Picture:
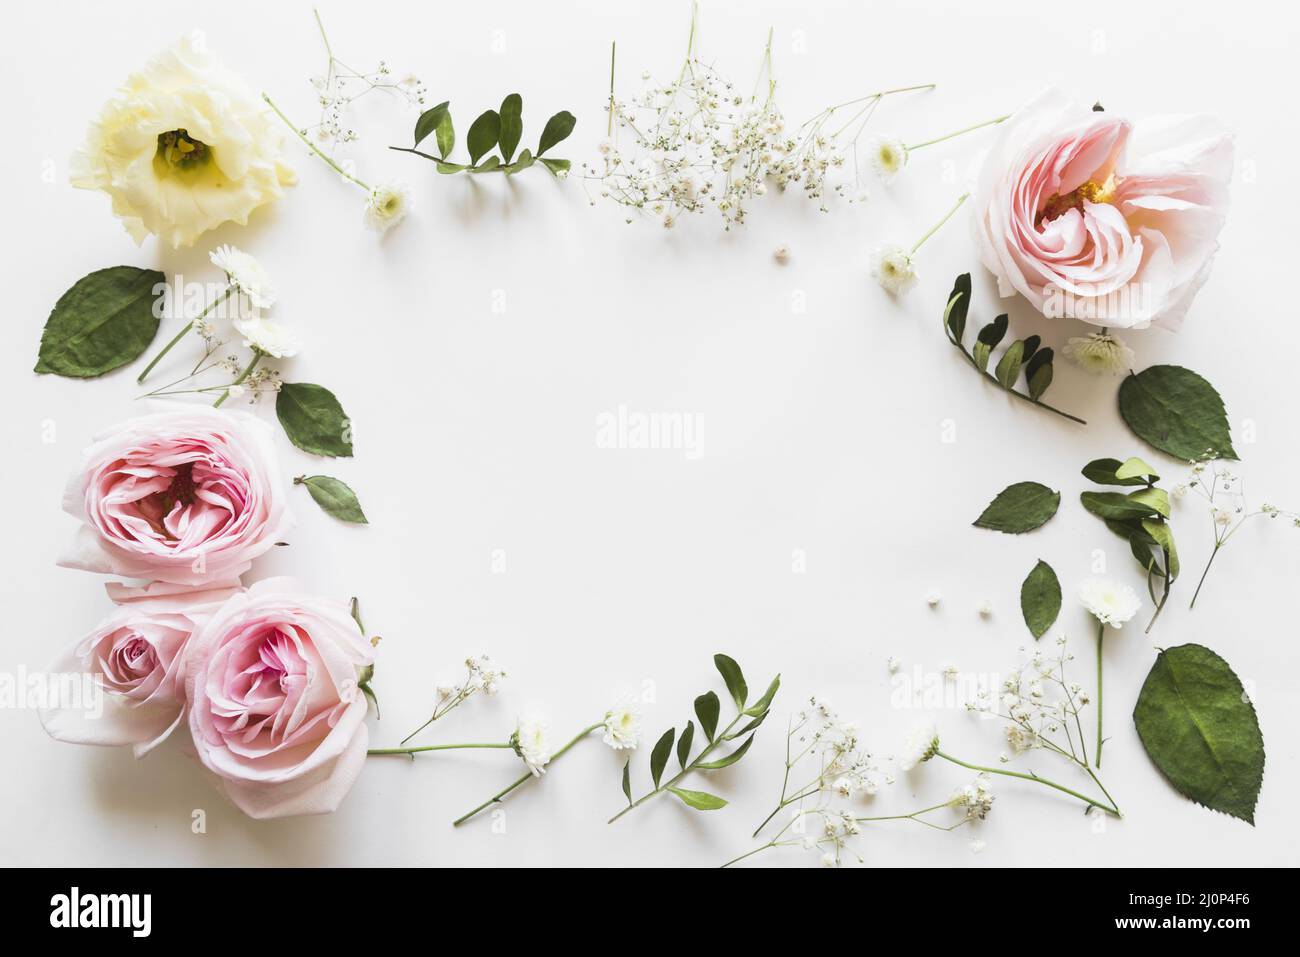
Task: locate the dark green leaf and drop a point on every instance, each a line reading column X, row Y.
column 1019, row 508
column 1008, row 370
column 684, row 744
column 483, row 135
column 1039, row 379
column 707, row 709
column 103, row 322
column 558, row 128
column 954, row 316
column 1176, row 411
column 627, row 780
column 659, row 756
column 1103, row 472
column 992, row 334
column 446, row 134
column 1030, row 350
column 730, row 759
column 428, row 122
column 1115, row 505
column 699, row 799
column 762, row 704
column 313, row 419
column 555, row 166
column 749, row 726
column 735, row 681
column 512, row 125
column 334, row 497
column 1040, row 598
column 1201, row 731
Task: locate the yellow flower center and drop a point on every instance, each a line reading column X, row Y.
column 177, row 150
column 1090, row 191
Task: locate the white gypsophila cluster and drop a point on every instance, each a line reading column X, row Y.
column 1039, row 704
column 846, row 769
column 482, row 675
column 974, row 800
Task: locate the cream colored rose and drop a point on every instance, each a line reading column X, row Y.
column 183, row 147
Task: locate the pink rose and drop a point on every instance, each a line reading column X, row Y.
column 136, row 658
column 189, row 495
column 275, row 707
column 1094, row 217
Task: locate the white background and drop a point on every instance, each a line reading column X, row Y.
column 475, row 431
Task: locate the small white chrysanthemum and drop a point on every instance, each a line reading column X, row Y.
column 921, row 745
column 622, row 727
column 268, row 336
column 531, row 741
column 892, row 267
column 246, row 274
column 888, row 156
column 1111, row 603
column 386, row 206
column 1099, row 353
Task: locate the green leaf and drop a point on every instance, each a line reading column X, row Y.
column 1039, row 378
column 334, row 497
column 525, row 160
column 1104, row 472
column 992, row 334
column 627, row 780
column 1008, row 369
column 1115, row 505
column 1164, row 538
column 1155, row 498
column 429, row 121
column 1201, row 731
column 699, row 799
column 446, row 134
column 981, row 354
column 483, row 135
column 103, row 322
column 659, row 756
column 684, row 744
column 512, row 125
column 760, row 706
column 749, row 726
column 1176, row 411
column 1134, row 467
column 1030, row 350
column 1040, row 598
column 730, row 759
column 558, row 128
column 735, row 681
column 707, row 709
column 488, row 165
column 555, row 166
column 1018, row 508
column 313, row 419
column 954, row 316
column 354, row 609
column 448, row 168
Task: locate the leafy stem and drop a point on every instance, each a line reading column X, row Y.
column 693, row 765
column 1019, row 395
column 181, row 335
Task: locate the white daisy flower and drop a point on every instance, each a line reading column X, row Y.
column 1111, row 603
column 888, row 156
column 921, row 745
column 246, row 274
column 893, row 268
column 1099, row 353
column 532, row 742
column 386, row 206
column 268, row 336
column 622, row 727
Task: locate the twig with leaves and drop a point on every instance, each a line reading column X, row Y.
column 493, row 129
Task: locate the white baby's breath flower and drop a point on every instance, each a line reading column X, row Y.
column 1099, row 353
column 844, row 787
column 828, row 860
column 932, row 597
column 985, row 608
column 268, row 336
column 1111, row 603
column 532, row 742
column 888, row 156
column 622, row 727
column 781, row 254
column 921, row 745
column 892, row 267
column 894, row 664
column 246, row 274
column 386, row 206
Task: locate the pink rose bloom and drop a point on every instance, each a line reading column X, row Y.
column 1091, row 216
column 190, row 495
column 136, row 659
column 275, row 707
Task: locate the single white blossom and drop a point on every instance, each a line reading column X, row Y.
column 532, row 742
column 1111, row 603
column 921, row 745
column 892, row 267
column 622, row 727
column 246, row 274
column 1099, row 353
column 386, row 206
column 268, row 336
column 888, row 156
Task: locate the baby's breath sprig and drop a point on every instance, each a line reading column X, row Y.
column 1224, row 493
column 482, row 676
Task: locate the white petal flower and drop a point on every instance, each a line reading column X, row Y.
column 622, row 727
column 386, row 206
column 888, row 156
column 893, row 268
column 268, row 336
column 828, row 860
column 1111, row 603
column 1099, row 353
column 532, row 742
column 921, row 745
column 246, row 274
column 183, row 147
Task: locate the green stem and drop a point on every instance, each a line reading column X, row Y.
column 763, row 847
column 939, row 225
column 903, row 817
column 257, row 357
column 1101, row 634
column 1213, row 554
column 181, row 335
column 1108, row 808
column 699, row 758
column 1019, row 395
column 313, row 147
column 526, row 778
column 434, row 747
column 940, row 139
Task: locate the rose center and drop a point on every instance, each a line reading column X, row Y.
column 180, row 151
column 1090, row 191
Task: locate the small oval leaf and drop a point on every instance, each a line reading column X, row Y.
column 334, row 497
column 103, row 322
column 483, row 135
column 1019, row 508
column 558, row 128
column 1040, row 599
column 699, row 800
column 313, row 419
column 512, row 125
column 659, row 756
column 735, row 681
column 707, row 709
